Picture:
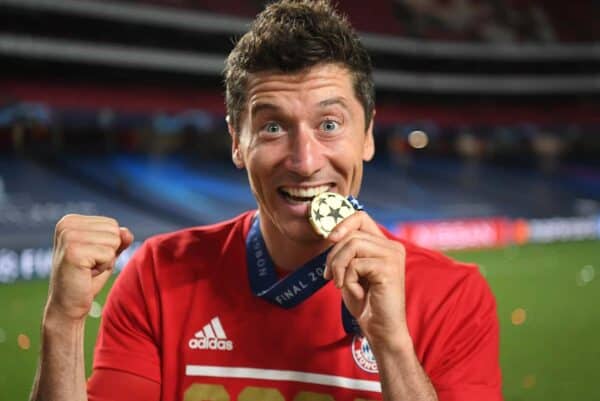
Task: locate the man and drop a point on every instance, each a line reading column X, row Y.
column 194, row 315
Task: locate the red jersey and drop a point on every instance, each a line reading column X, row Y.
column 182, row 314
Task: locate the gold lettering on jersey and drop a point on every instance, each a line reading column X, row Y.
column 206, row 392
column 310, row 396
column 252, row 393
column 291, row 292
column 216, row 392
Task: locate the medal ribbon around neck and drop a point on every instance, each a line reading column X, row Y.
column 298, row 285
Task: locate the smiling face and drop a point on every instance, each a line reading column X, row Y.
column 300, row 134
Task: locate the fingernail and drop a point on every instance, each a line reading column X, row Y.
column 325, row 272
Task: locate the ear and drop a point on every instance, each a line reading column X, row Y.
column 369, row 144
column 236, row 152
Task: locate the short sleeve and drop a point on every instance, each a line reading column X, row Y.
column 129, row 332
column 469, row 369
column 116, row 385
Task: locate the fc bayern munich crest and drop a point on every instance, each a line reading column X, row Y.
column 363, row 355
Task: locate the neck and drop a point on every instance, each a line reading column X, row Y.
column 289, row 254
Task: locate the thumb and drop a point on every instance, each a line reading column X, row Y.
column 126, row 239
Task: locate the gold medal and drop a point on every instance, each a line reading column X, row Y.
column 327, row 210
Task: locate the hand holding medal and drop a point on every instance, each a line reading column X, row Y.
column 367, row 267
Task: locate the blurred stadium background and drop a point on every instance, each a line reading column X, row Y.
column 488, row 148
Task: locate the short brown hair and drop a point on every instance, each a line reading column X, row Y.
column 289, row 36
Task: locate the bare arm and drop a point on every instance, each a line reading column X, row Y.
column 369, row 269
column 61, row 370
column 401, row 375
column 85, row 250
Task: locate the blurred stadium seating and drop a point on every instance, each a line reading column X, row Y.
column 124, row 98
column 133, row 88
column 515, row 20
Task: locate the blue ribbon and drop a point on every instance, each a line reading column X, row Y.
column 295, row 287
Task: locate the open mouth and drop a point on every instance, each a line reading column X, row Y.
column 302, row 194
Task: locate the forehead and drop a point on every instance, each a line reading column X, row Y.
column 321, row 81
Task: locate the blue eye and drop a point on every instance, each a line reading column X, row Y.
column 329, row 125
column 272, row 128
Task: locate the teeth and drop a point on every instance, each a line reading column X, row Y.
column 305, row 192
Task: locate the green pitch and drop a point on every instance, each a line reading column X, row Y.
column 552, row 349
column 548, row 296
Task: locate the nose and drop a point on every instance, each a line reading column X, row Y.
column 305, row 155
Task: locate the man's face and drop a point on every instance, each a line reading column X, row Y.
column 301, row 134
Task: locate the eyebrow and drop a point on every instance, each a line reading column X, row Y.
column 258, row 107
column 333, row 101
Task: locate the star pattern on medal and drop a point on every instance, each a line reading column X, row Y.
column 317, row 215
column 335, row 213
column 328, row 210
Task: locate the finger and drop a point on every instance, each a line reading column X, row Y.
column 359, row 246
column 102, row 270
column 328, row 273
column 359, row 221
column 89, row 256
column 105, row 268
column 357, row 235
column 86, row 217
column 87, row 223
column 93, row 227
column 105, row 234
column 126, row 237
column 107, row 238
column 83, row 221
column 358, row 275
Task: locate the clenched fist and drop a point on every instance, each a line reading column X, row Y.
column 85, row 251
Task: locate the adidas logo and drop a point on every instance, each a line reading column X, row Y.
column 212, row 336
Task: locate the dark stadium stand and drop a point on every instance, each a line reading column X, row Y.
column 513, row 20
column 429, row 189
column 137, row 98
column 33, row 198
column 576, row 23
column 197, row 194
column 94, row 78
column 232, row 7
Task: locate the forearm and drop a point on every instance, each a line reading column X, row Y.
column 402, row 376
column 61, row 367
